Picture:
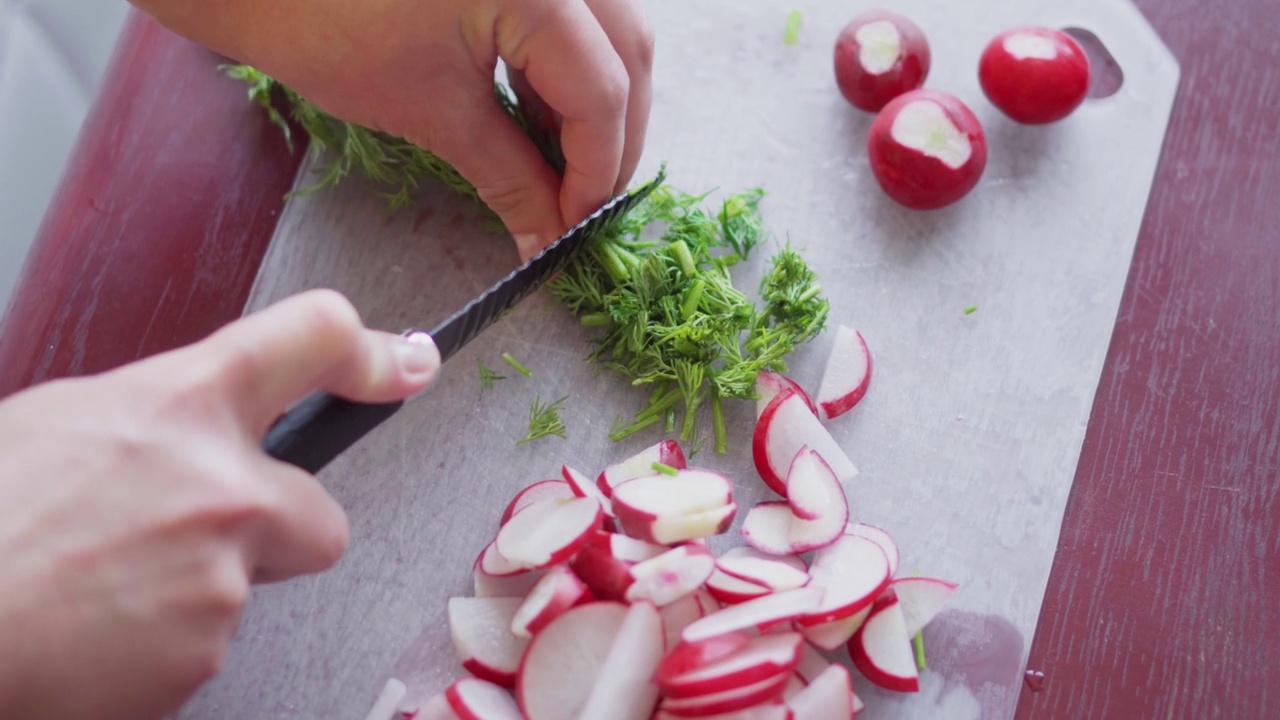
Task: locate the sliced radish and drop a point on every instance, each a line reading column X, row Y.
column 847, row 374
column 481, row 633
column 695, row 526
column 731, row 590
column 769, row 384
column 835, row 634
column 786, row 425
column 785, row 572
column 794, row 686
column 633, row 550
column 584, row 486
column 388, row 701
column 495, row 564
column 812, row 663
column 927, row 149
column 921, row 599
column 671, row 576
column 881, row 649
column 772, row 711
column 678, row 615
column 625, row 689
column 549, row 532
column 818, row 490
column 437, row 708
column 563, row 662
column 1034, row 75
column 762, row 611
column 879, row 55
column 686, row 657
column 474, row 699
column 607, row 576
column 765, row 691
column 516, row 586
column 644, row 501
column 828, row 697
column 666, row 452
column 881, row 538
column 852, row 572
column 764, row 658
column 767, row 527
column 773, row 528
column 559, row 590
column 541, row 490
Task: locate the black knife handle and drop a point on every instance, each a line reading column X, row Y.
column 322, row 427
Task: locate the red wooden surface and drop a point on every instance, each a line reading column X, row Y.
column 1165, row 594
column 161, row 219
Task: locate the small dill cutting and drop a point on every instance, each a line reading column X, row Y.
column 487, row 376
column 513, row 362
column 544, row 420
column 792, row 34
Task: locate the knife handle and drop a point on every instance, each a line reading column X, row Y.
column 322, row 427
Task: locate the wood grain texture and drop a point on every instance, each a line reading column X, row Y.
column 161, row 219
column 1164, row 600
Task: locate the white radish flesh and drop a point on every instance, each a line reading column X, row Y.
column 765, row 657
column 769, row 384
column 881, row 538
column 786, row 425
column 762, row 611
column 671, row 576
column 881, row 649
column 812, row 663
column 687, row 492
column 625, row 689
column 679, row 615
column 820, row 489
column 549, row 532
column 583, row 486
column 828, row 697
column 673, row 529
column 559, row 590
column 437, row 708
column 387, row 703
column 541, row 490
column 475, row 699
column 765, row 691
column 784, row 572
column 731, row 590
column 481, row 632
column 853, row 572
column 835, row 634
column 847, row 374
column 772, row 711
column 794, row 686
column 495, row 564
column 921, row 599
column 563, row 662
column 767, row 527
column 666, row 452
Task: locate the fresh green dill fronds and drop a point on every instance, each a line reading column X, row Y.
column 513, row 362
column 487, row 376
column 544, row 420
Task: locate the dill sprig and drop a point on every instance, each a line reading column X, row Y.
column 487, row 376
column 513, row 362
column 544, row 420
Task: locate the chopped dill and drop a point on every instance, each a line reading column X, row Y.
column 971, row 310
column 792, row 34
column 487, row 376
column 513, row 362
column 544, row 420
column 665, row 469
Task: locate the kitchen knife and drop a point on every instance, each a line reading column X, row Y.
column 323, row 426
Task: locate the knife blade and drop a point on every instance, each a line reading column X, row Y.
column 321, row 427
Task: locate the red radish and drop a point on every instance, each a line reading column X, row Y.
column 1034, row 75
column 766, row 610
column 785, row 426
column 881, row 649
column 558, row 591
column 679, row 615
column 774, row 573
column 517, row 585
column 879, row 56
column 812, row 663
column 495, row 564
column 817, row 498
column 541, row 490
column 794, row 686
column 583, row 486
column 847, row 375
column 668, row 509
column 765, row 691
column 852, row 572
column 764, row 658
column 879, row 537
column 774, row 529
column 549, row 532
column 829, row 697
column 772, row 711
column 671, row 576
column 686, row 657
column 437, row 708
column 769, row 384
column 563, row 662
column 388, row 701
column 604, row 574
column 835, row 634
column 731, row 590
column 482, row 637
column 625, row 689
column 474, row 699
column 667, row 452
column 927, row 149
column 633, row 550
column 921, row 599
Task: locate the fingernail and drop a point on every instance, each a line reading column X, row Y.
column 418, row 354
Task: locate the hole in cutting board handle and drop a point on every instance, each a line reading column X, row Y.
column 1105, row 74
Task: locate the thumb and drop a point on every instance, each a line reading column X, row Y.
column 313, row 341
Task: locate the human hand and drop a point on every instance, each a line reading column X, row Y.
column 424, row 70
column 137, row 507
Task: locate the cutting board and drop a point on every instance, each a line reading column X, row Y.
column 967, row 442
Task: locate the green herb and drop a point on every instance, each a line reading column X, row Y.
column 513, row 362
column 544, row 420
column 919, row 643
column 487, row 376
column 665, row 469
column 792, row 35
column 971, row 310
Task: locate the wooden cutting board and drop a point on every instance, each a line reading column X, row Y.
column 967, row 442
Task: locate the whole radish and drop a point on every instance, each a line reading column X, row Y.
column 927, row 149
column 1035, row 75
column 880, row 55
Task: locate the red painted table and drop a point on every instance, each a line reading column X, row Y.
column 1164, row 600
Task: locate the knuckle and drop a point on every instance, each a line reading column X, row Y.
column 507, row 194
column 615, row 88
column 226, row 587
column 645, row 46
column 329, row 313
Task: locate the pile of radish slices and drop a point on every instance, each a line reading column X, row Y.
column 599, row 598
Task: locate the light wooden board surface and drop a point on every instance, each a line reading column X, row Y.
column 967, row 442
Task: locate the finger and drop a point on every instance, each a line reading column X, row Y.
column 633, row 39
column 570, row 62
column 308, row 530
column 312, row 341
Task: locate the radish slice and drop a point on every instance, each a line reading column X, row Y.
column 817, row 488
column 624, row 689
column 794, row 686
column 835, row 634
column 541, row 490
column 829, row 697
column 549, row 532
column 765, row 691
column 516, row 586
column 847, row 374
column 437, row 708
column 632, row 550
column 773, row 608
column 481, row 633
column 671, row 576
column 605, row 575
column 772, row 711
column 495, row 564
column 643, row 500
column 769, row 384
column 812, row 663
column 679, row 615
column 583, row 486
column 564, row 661
column 475, row 699
column 387, row 704
column 786, row 425
column 921, row 599
column 881, row 649
column 881, row 538
column 686, row 657
column 767, row 527
column 558, row 591
column 731, row 590
column 853, row 572
column 695, row 526
column 775, row 573
column 667, row 452
column 764, row 658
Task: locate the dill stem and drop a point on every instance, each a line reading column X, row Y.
column 595, row 319
column 608, row 259
column 682, row 255
column 693, row 298
column 809, row 294
column 513, row 362
column 718, row 422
